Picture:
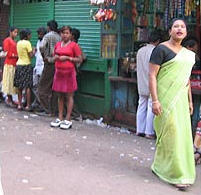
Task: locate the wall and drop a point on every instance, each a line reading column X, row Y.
column 4, row 22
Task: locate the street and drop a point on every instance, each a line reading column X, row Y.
column 85, row 160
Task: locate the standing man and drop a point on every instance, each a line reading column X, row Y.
column 144, row 111
column 48, row 98
column 37, row 71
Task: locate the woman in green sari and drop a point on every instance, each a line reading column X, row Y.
column 170, row 69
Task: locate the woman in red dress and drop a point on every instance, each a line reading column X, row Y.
column 67, row 53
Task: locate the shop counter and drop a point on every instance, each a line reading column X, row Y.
column 124, row 101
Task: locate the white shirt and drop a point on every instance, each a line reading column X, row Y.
column 39, row 60
column 143, row 57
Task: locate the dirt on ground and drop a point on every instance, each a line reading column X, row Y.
column 86, row 160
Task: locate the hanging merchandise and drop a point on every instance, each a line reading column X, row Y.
column 97, row 2
column 100, row 15
column 134, row 12
column 112, row 2
column 110, row 14
column 106, row 11
column 105, row 14
column 103, row 2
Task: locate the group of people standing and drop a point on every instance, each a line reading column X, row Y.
column 53, row 79
column 166, row 105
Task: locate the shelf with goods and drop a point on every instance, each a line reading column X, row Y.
column 155, row 14
column 116, row 34
column 150, row 16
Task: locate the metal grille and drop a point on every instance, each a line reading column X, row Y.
column 77, row 15
column 31, row 16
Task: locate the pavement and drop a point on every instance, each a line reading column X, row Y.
column 91, row 158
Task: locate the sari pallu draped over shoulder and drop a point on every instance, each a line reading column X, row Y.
column 174, row 158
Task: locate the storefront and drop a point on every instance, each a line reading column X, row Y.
column 93, row 96
column 111, row 34
column 125, row 32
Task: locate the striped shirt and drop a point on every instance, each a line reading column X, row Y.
column 47, row 45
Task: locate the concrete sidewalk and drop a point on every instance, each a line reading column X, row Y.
column 85, row 160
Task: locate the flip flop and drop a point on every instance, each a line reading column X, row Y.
column 182, row 187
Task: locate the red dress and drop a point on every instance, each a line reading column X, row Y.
column 65, row 74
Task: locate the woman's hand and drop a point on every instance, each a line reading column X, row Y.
column 62, row 58
column 56, row 57
column 156, row 108
column 34, row 50
column 191, row 108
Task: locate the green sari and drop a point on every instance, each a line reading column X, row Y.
column 174, row 158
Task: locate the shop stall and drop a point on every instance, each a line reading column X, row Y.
column 112, row 31
column 125, row 27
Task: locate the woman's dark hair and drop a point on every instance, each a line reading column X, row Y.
column 174, row 20
column 76, row 34
column 52, row 24
column 11, row 29
column 24, row 33
column 63, row 28
column 41, row 29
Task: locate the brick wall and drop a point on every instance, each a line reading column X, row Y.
column 4, row 25
column 4, row 22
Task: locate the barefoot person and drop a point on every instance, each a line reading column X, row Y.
column 170, row 69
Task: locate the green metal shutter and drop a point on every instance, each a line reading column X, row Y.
column 30, row 15
column 93, row 94
column 76, row 14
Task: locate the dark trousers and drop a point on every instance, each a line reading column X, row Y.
column 48, row 98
